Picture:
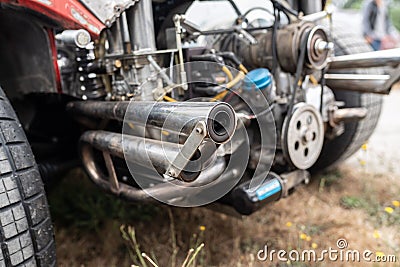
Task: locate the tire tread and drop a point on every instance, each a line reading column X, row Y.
column 26, row 232
column 356, row 133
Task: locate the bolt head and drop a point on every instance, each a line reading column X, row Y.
column 118, row 63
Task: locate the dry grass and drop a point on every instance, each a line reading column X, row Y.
column 315, row 215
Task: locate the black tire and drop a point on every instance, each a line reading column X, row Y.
column 357, row 133
column 26, row 231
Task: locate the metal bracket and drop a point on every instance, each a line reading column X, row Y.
column 192, row 143
column 394, row 77
column 114, row 184
column 178, row 30
column 293, row 179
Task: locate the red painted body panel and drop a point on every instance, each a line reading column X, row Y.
column 70, row 14
column 53, row 49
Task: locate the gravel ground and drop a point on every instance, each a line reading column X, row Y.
column 383, row 153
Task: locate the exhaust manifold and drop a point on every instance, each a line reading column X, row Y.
column 198, row 121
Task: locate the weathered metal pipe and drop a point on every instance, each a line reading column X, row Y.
column 145, row 152
column 179, row 117
column 349, row 115
column 162, row 190
column 384, row 58
column 358, row 82
column 159, row 191
column 313, row 17
column 207, row 176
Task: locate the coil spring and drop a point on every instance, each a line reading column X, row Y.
column 91, row 84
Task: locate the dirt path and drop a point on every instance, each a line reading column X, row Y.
column 383, row 153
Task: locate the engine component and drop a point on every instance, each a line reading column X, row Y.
column 289, row 40
column 313, row 97
column 79, row 38
column 378, row 84
column 262, row 80
column 145, row 152
column 220, row 118
column 159, row 191
column 303, row 136
column 108, row 11
column 258, row 79
column 178, row 32
column 365, row 83
column 318, row 48
column 91, row 84
column 247, row 200
column 384, row 58
column 347, row 115
column 79, row 72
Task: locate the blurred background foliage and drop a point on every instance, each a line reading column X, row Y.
column 357, row 4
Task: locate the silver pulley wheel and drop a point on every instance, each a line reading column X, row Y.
column 303, row 138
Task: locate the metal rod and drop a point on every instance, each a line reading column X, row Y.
column 181, row 117
column 349, row 115
column 358, row 82
column 316, row 16
column 384, row 58
column 160, row 71
column 207, row 176
column 141, row 151
column 178, row 30
column 159, row 191
column 125, row 34
column 113, row 179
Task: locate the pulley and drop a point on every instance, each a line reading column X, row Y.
column 303, row 136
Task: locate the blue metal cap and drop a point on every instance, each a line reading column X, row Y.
column 261, row 78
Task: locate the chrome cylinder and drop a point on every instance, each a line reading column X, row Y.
column 115, row 41
column 141, row 26
column 309, row 7
column 144, row 152
column 179, row 117
column 384, row 58
column 358, row 82
column 142, row 35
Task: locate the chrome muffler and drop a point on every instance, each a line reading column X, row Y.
column 203, row 123
column 377, row 84
column 180, row 117
column 363, row 83
column 384, row 58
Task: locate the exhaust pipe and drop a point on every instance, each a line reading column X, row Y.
column 384, row 58
column 182, row 117
column 111, row 143
column 144, row 152
column 377, row 84
column 359, row 82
